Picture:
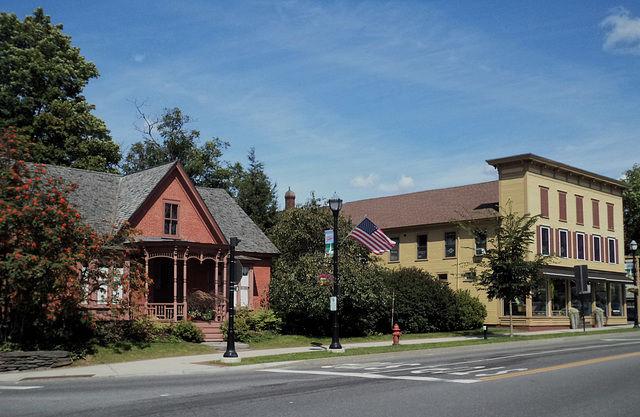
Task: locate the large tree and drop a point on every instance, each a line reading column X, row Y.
column 41, row 82
column 631, row 202
column 50, row 260
column 167, row 139
column 256, row 194
column 301, row 298
column 507, row 271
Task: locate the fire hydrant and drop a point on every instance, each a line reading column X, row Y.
column 396, row 334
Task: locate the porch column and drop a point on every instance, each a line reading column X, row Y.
column 175, row 282
column 216, row 275
column 146, row 283
column 184, row 281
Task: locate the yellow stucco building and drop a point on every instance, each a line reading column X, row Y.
column 580, row 225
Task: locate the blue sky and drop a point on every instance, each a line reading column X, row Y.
column 371, row 98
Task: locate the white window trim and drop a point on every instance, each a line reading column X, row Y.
column 566, row 233
column 597, row 256
column 581, row 236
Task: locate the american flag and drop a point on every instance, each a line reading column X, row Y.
column 372, row 237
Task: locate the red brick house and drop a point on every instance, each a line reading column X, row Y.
column 185, row 237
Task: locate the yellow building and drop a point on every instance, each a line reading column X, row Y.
column 580, row 224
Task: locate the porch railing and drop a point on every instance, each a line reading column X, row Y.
column 166, row 311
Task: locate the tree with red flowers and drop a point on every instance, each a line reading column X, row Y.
column 52, row 264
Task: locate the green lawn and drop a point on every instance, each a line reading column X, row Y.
column 127, row 353
column 152, row 350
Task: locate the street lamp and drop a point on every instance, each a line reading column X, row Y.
column 634, row 247
column 335, row 204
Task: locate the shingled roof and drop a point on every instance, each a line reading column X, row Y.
column 106, row 199
column 426, row 207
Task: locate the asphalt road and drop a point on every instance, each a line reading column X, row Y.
column 590, row 375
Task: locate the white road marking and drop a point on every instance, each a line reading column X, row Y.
column 373, row 376
column 17, row 387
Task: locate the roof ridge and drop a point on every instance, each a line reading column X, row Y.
column 425, row 191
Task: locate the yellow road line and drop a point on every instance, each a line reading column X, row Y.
column 553, row 368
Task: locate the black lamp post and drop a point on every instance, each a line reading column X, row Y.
column 335, row 204
column 634, row 247
column 230, row 354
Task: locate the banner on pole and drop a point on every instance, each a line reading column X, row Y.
column 328, row 243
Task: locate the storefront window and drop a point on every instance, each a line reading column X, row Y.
column 539, row 302
column 558, row 296
column 519, row 308
column 581, row 301
column 616, row 300
column 602, row 297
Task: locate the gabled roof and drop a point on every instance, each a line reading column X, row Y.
column 426, row 207
column 106, row 199
column 234, row 222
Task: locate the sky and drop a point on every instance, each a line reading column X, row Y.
column 370, row 98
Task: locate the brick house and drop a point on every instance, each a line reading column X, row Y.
column 185, row 237
column 581, row 224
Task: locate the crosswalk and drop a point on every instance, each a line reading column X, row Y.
column 455, row 373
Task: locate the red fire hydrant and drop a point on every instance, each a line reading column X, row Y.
column 396, row 334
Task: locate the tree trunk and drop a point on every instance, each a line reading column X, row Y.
column 510, row 318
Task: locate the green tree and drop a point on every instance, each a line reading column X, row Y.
column 203, row 163
column 423, row 304
column 256, row 195
column 41, row 82
column 631, row 202
column 506, row 272
column 297, row 294
column 50, row 260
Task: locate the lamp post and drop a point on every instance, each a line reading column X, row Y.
column 335, row 204
column 634, row 247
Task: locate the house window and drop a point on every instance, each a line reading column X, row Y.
column 563, row 243
column 422, row 247
column 611, row 246
column 450, row 244
column 610, row 216
column 579, row 210
column 170, row 219
column 597, row 248
column 562, row 203
column 443, row 277
column 595, row 209
column 394, row 253
column 544, row 202
column 481, row 243
column 545, row 240
column 580, row 246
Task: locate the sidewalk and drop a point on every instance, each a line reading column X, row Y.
column 198, row 363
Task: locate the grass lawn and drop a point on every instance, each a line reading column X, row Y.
column 154, row 350
column 127, row 353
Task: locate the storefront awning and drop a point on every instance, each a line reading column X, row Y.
column 594, row 275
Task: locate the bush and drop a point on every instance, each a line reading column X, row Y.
column 202, row 305
column 188, row 332
column 252, row 326
column 131, row 331
column 471, row 311
column 422, row 303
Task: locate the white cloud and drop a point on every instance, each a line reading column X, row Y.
column 139, row 57
column 623, row 34
column 369, row 181
column 373, row 181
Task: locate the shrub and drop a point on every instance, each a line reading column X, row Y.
column 422, row 303
column 471, row 311
column 188, row 332
column 251, row 326
column 202, row 305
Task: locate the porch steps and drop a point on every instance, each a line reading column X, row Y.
column 211, row 330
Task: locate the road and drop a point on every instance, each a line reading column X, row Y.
column 590, row 375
